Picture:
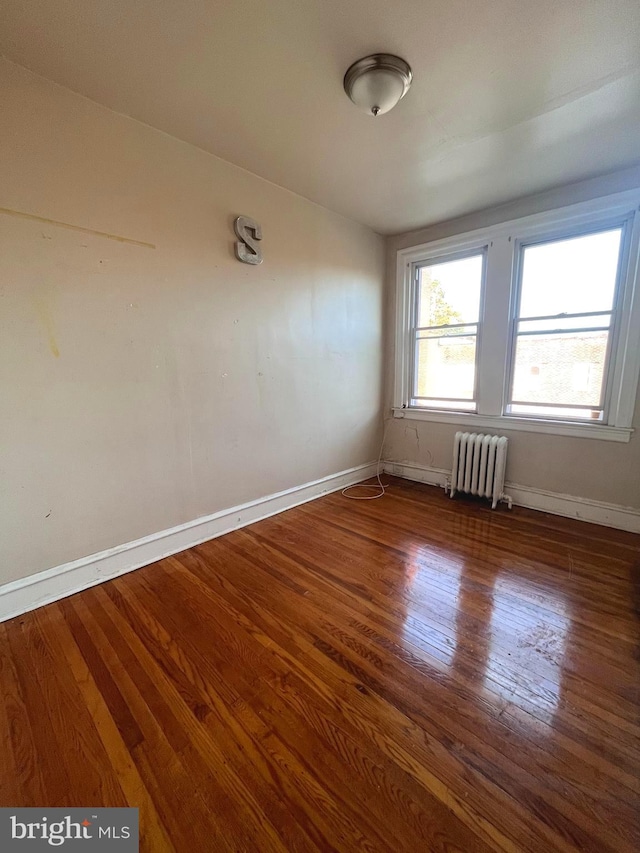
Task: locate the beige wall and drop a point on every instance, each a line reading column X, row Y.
column 597, row 470
column 142, row 388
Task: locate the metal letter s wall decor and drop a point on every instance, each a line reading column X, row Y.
column 249, row 233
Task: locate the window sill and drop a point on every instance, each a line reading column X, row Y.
column 472, row 423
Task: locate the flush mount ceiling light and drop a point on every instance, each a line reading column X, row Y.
column 376, row 83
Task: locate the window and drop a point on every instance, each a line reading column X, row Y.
column 447, row 300
column 531, row 324
column 567, row 296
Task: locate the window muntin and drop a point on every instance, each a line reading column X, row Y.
column 563, row 326
column 447, row 302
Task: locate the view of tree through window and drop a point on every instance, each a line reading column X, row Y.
column 448, row 309
column 439, row 311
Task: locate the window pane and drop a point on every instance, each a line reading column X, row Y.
column 570, row 276
column 445, row 368
column 557, row 412
column 560, row 369
column 458, row 405
column 449, row 292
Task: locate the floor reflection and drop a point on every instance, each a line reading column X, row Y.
column 527, row 645
column 486, row 625
column 432, row 588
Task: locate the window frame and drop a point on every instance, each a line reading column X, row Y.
column 414, row 298
column 558, row 235
column 504, row 244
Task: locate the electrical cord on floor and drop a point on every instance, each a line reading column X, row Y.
column 381, row 487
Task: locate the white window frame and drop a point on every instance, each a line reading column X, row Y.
column 443, row 259
column 502, row 243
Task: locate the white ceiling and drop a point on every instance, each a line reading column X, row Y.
column 509, row 97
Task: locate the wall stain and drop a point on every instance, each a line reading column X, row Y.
column 46, row 318
column 407, row 430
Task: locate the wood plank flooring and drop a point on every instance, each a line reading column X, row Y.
column 406, row 674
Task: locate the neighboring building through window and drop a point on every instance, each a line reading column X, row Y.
column 561, row 348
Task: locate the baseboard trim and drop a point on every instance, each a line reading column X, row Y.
column 596, row 512
column 44, row 587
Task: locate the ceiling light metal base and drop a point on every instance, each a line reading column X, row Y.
column 378, row 64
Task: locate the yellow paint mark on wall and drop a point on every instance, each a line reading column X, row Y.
column 46, row 318
column 8, row 212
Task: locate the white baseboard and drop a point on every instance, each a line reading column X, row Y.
column 26, row 594
column 419, row 473
column 596, row 512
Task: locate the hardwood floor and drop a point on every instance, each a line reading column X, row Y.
column 407, row 674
